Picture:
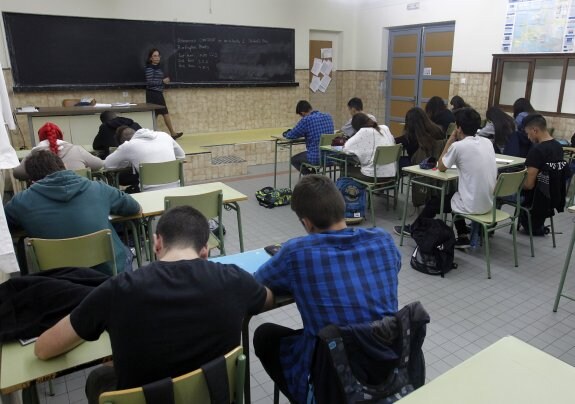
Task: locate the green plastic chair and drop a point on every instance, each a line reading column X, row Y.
column 83, row 251
column 210, row 204
column 450, row 129
column 161, row 173
column 507, row 184
column 324, row 140
column 384, row 155
column 191, row 387
column 84, row 172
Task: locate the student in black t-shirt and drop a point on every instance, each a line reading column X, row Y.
column 165, row 319
column 544, row 187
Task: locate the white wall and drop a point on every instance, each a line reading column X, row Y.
column 478, row 29
column 328, row 15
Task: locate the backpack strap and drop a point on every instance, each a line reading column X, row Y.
column 216, row 374
column 159, row 392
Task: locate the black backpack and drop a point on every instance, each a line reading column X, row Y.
column 435, row 248
column 378, row 362
column 269, row 197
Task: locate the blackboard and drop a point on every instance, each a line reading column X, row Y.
column 66, row 53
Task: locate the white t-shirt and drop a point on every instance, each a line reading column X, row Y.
column 363, row 145
column 477, row 169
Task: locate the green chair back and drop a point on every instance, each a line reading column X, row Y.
column 509, row 183
column 210, row 204
column 83, row 251
column 450, row 129
column 191, row 387
column 325, row 140
column 161, row 173
column 84, row 172
column 387, row 155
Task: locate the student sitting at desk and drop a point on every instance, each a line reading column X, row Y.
column 437, row 111
column 475, row 160
column 144, row 146
column 73, row 156
column 106, row 136
column 336, row 274
column 166, row 319
column 369, row 135
column 312, row 125
column 62, row 204
column 354, row 105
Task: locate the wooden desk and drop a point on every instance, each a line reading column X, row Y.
column 20, row 369
column 152, row 202
column 509, row 371
column 250, row 261
column 444, row 178
column 80, row 124
column 560, row 293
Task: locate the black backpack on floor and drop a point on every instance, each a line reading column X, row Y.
column 435, row 248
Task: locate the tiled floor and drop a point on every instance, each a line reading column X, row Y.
column 468, row 311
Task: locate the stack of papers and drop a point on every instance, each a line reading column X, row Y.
column 122, row 104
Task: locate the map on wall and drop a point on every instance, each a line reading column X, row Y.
column 535, row 26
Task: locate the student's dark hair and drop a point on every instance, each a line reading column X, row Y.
column 120, row 137
column 535, row 120
column 183, row 227
column 434, row 106
column 504, row 125
column 361, row 120
column 522, row 105
column 316, row 198
column 421, row 130
column 41, row 163
column 302, row 106
column 458, row 102
column 107, row 116
column 468, row 120
column 150, row 53
column 356, row 103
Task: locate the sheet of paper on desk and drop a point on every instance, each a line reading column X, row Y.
column 97, row 105
column 316, row 68
column 314, row 85
column 503, row 161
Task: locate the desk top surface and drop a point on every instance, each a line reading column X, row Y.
column 451, row 173
column 509, row 371
column 152, row 202
column 211, row 139
column 88, row 110
column 20, row 367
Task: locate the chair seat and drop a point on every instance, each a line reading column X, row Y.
column 487, row 217
column 390, row 181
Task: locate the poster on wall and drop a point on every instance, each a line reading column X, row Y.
column 536, row 26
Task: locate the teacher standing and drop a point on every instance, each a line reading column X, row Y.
column 155, row 81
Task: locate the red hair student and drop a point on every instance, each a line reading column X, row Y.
column 74, row 157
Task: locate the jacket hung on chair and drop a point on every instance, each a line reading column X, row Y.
column 64, row 205
column 377, row 362
column 31, row 304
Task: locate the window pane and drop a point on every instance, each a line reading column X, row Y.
column 568, row 106
column 513, row 82
column 546, row 85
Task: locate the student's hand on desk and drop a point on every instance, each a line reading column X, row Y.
column 285, row 132
column 166, row 80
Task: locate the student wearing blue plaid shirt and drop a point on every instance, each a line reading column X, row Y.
column 311, row 126
column 337, row 275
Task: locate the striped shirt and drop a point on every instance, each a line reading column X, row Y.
column 154, row 78
column 336, row 277
column 311, row 127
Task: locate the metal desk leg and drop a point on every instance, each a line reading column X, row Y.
column 30, row 394
column 31, row 131
column 236, row 207
column 150, row 238
column 246, row 347
column 564, row 273
column 136, row 236
column 442, row 202
column 405, row 209
column 289, row 163
column 276, row 164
